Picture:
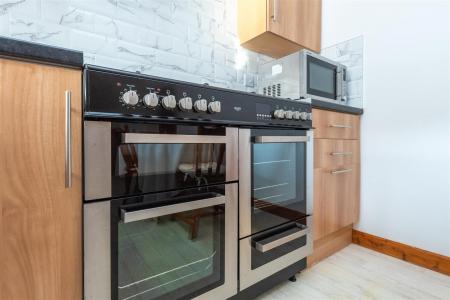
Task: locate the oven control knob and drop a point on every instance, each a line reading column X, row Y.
column 130, row 98
column 309, row 117
column 169, row 102
column 289, row 114
column 185, row 104
column 279, row 114
column 151, row 100
column 303, row 116
column 296, row 115
column 214, row 107
column 201, row 105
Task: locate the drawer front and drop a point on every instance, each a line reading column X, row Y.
column 336, row 199
column 330, row 153
column 334, row 125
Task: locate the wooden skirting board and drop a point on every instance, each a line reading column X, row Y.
column 426, row 259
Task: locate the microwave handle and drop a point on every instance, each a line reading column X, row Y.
column 149, row 213
column 281, row 139
column 300, row 231
column 149, row 138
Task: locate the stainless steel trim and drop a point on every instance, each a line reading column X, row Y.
column 232, row 154
column 149, row 213
column 249, row 277
column 148, row 138
column 286, row 239
column 341, row 153
column 341, row 171
column 97, row 250
column 68, row 142
column 281, row 139
column 339, row 126
column 230, row 286
column 97, row 160
column 244, row 183
column 274, row 10
column 309, row 173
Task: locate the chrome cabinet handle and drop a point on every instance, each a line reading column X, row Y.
column 281, row 139
column 340, row 126
column 341, row 171
column 299, row 232
column 68, row 142
column 274, row 10
column 341, row 153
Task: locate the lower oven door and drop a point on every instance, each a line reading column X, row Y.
column 156, row 247
column 268, row 252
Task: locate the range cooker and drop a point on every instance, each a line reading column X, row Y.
column 191, row 191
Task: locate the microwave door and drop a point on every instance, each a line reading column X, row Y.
column 321, row 79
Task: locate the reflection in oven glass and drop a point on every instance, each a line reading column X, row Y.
column 278, row 179
column 144, row 168
column 171, row 256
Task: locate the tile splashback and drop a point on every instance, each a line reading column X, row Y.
column 350, row 54
column 192, row 40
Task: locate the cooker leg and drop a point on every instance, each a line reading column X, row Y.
column 292, row 278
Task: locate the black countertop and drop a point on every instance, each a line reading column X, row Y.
column 39, row 52
column 336, row 107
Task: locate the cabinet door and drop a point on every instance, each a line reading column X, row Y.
column 296, row 20
column 40, row 225
column 336, row 199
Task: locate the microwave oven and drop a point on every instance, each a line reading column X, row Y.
column 302, row 75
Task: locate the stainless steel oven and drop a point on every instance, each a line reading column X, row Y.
column 160, row 218
column 275, row 201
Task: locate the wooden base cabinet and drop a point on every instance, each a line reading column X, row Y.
column 40, row 197
column 336, row 180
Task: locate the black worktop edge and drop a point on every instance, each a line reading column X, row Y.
column 38, row 52
column 336, row 107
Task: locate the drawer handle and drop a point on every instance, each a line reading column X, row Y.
column 340, row 126
column 68, row 142
column 341, row 171
column 341, row 153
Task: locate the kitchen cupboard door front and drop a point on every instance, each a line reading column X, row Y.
column 40, row 186
column 296, row 20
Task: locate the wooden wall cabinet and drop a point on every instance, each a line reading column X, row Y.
column 40, row 222
column 279, row 27
column 336, row 180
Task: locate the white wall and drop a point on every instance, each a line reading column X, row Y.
column 405, row 194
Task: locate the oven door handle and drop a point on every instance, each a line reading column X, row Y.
column 281, row 139
column 133, row 216
column 264, row 246
column 149, row 138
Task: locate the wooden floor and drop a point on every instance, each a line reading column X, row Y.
column 359, row 273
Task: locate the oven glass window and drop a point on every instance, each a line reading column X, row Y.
column 278, row 184
column 170, row 257
column 321, row 78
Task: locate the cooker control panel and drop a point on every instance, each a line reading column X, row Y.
column 118, row 93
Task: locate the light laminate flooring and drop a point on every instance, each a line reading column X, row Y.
column 359, row 273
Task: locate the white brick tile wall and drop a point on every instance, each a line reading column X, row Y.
column 192, row 40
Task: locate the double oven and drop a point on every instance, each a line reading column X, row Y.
column 199, row 193
column 161, row 213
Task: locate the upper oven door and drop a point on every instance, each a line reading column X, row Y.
column 321, row 78
column 123, row 159
column 275, row 174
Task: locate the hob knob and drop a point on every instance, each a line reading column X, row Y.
column 214, row 107
column 185, row 104
column 303, row 116
column 130, row 98
column 289, row 114
column 151, row 100
column 296, row 115
column 201, row 105
column 309, row 117
column 279, row 114
column 169, row 102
